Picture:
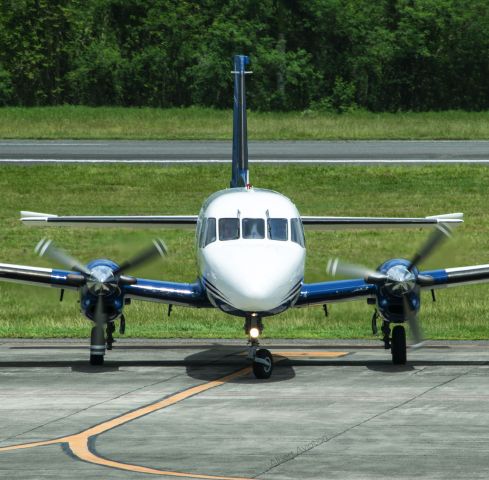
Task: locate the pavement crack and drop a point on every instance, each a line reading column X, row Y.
column 216, row 360
column 282, row 459
column 89, row 407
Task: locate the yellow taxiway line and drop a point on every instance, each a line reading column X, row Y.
column 79, row 442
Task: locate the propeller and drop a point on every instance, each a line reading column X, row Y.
column 399, row 280
column 101, row 280
column 413, row 322
column 45, row 248
column 336, row 267
column 97, row 337
column 440, row 233
column 158, row 247
column 100, row 319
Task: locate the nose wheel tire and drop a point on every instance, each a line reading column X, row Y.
column 263, row 363
column 398, row 345
column 96, row 359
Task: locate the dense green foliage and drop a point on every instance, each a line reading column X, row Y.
column 322, row 54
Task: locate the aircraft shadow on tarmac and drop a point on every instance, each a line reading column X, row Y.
column 209, row 363
column 214, row 361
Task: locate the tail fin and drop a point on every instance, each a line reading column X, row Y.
column 240, row 175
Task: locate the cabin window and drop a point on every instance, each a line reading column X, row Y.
column 228, row 228
column 209, row 231
column 253, row 228
column 296, row 231
column 277, row 229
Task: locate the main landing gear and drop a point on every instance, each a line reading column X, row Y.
column 99, row 342
column 261, row 357
column 97, row 345
column 396, row 343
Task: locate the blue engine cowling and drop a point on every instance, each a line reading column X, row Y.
column 113, row 299
column 400, row 291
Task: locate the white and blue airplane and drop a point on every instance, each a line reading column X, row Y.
column 251, row 256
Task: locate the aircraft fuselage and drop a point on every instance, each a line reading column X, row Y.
column 251, row 251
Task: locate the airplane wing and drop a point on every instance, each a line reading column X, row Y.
column 184, row 294
column 143, row 221
column 346, row 223
column 42, row 277
column 189, row 221
column 453, row 277
column 355, row 289
column 334, row 291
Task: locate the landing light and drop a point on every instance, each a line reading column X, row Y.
column 254, row 332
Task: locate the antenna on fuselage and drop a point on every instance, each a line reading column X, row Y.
column 240, row 174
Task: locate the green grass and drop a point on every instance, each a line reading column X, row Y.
column 76, row 122
column 27, row 311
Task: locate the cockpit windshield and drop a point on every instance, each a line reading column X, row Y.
column 297, row 233
column 253, row 228
column 228, row 228
column 209, row 231
column 277, row 229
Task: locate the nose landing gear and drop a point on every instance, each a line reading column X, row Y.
column 262, row 363
column 396, row 343
column 261, row 357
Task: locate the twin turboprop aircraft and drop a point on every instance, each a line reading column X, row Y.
column 251, row 255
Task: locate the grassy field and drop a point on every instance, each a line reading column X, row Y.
column 201, row 123
column 399, row 191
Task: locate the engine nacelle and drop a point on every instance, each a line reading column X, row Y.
column 399, row 296
column 102, row 283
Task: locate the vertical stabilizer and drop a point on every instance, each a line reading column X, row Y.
column 240, row 176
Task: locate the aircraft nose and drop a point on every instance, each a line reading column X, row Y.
column 262, row 293
column 255, row 282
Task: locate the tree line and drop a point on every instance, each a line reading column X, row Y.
column 332, row 55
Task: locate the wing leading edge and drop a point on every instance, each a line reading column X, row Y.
column 355, row 289
column 346, row 223
column 335, row 291
column 42, row 277
column 454, row 277
column 143, row 221
column 183, row 294
column 189, row 221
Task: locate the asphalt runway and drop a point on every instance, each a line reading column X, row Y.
column 191, row 409
column 188, row 152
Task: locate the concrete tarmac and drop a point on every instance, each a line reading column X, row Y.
column 188, row 152
column 192, row 409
